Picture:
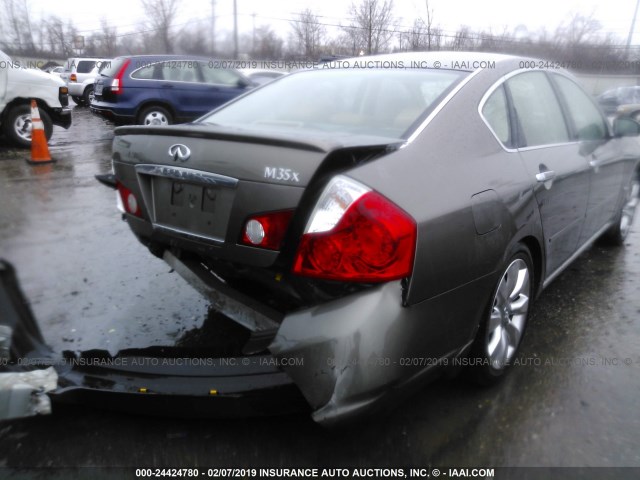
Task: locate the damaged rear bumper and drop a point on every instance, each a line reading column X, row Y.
column 341, row 359
column 156, row 381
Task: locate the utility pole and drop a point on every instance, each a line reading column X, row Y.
column 253, row 39
column 235, row 29
column 633, row 25
column 213, row 27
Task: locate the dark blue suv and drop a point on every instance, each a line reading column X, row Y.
column 164, row 89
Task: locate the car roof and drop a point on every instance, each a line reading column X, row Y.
column 79, row 59
column 167, row 57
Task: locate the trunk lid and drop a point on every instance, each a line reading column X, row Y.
column 198, row 185
column 283, row 157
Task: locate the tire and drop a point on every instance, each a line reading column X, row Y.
column 505, row 320
column 78, row 100
column 17, row 125
column 87, row 97
column 617, row 234
column 155, row 115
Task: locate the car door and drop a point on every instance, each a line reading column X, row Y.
column 181, row 88
column 599, row 150
column 220, row 85
column 560, row 174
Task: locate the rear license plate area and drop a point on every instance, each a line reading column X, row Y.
column 191, row 208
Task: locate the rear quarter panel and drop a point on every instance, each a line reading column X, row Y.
column 434, row 179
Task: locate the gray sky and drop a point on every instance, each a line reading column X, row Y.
column 614, row 15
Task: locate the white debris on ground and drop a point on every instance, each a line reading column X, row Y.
column 24, row 394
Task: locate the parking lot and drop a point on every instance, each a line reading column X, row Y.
column 571, row 400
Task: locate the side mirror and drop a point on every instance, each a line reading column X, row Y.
column 242, row 83
column 625, row 127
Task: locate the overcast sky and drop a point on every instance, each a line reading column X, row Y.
column 614, row 15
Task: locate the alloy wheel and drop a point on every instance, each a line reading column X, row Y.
column 508, row 314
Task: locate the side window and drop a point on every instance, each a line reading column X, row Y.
column 150, row 72
column 586, row 117
column 538, row 110
column 496, row 113
column 218, row 76
column 179, row 71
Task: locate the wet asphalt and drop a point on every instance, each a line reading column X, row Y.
column 572, row 401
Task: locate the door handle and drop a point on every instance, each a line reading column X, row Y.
column 595, row 163
column 545, row 176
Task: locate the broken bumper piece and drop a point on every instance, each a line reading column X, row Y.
column 156, row 381
column 23, row 394
column 139, row 381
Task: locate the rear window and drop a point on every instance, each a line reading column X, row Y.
column 113, row 67
column 85, row 66
column 381, row 102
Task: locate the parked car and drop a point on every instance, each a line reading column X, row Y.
column 80, row 74
column 379, row 225
column 18, row 86
column 260, row 76
column 621, row 101
column 57, row 71
column 164, row 89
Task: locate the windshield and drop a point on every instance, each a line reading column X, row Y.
column 380, row 102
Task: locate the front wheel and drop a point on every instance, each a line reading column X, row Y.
column 17, row 125
column 154, row 115
column 500, row 334
column 618, row 232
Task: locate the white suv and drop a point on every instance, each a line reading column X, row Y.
column 79, row 74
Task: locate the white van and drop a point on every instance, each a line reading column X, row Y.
column 18, row 86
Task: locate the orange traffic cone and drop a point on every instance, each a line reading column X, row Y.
column 39, row 147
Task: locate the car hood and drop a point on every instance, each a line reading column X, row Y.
column 32, row 76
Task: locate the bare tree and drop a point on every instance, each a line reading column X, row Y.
column 463, row 39
column 60, row 36
column 160, row 17
column 19, row 26
column 268, row 44
column 195, row 40
column 371, row 24
column 109, row 39
column 309, row 33
column 429, row 26
column 579, row 29
column 414, row 39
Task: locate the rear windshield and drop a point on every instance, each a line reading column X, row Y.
column 112, row 67
column 381, row 102
column 85, row 66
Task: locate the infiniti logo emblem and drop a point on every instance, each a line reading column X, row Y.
column 179, row 152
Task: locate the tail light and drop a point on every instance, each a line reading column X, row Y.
column 116, row 84
column 356, row 234
column 127, row 201
column 266, row 230
column 73, row 77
